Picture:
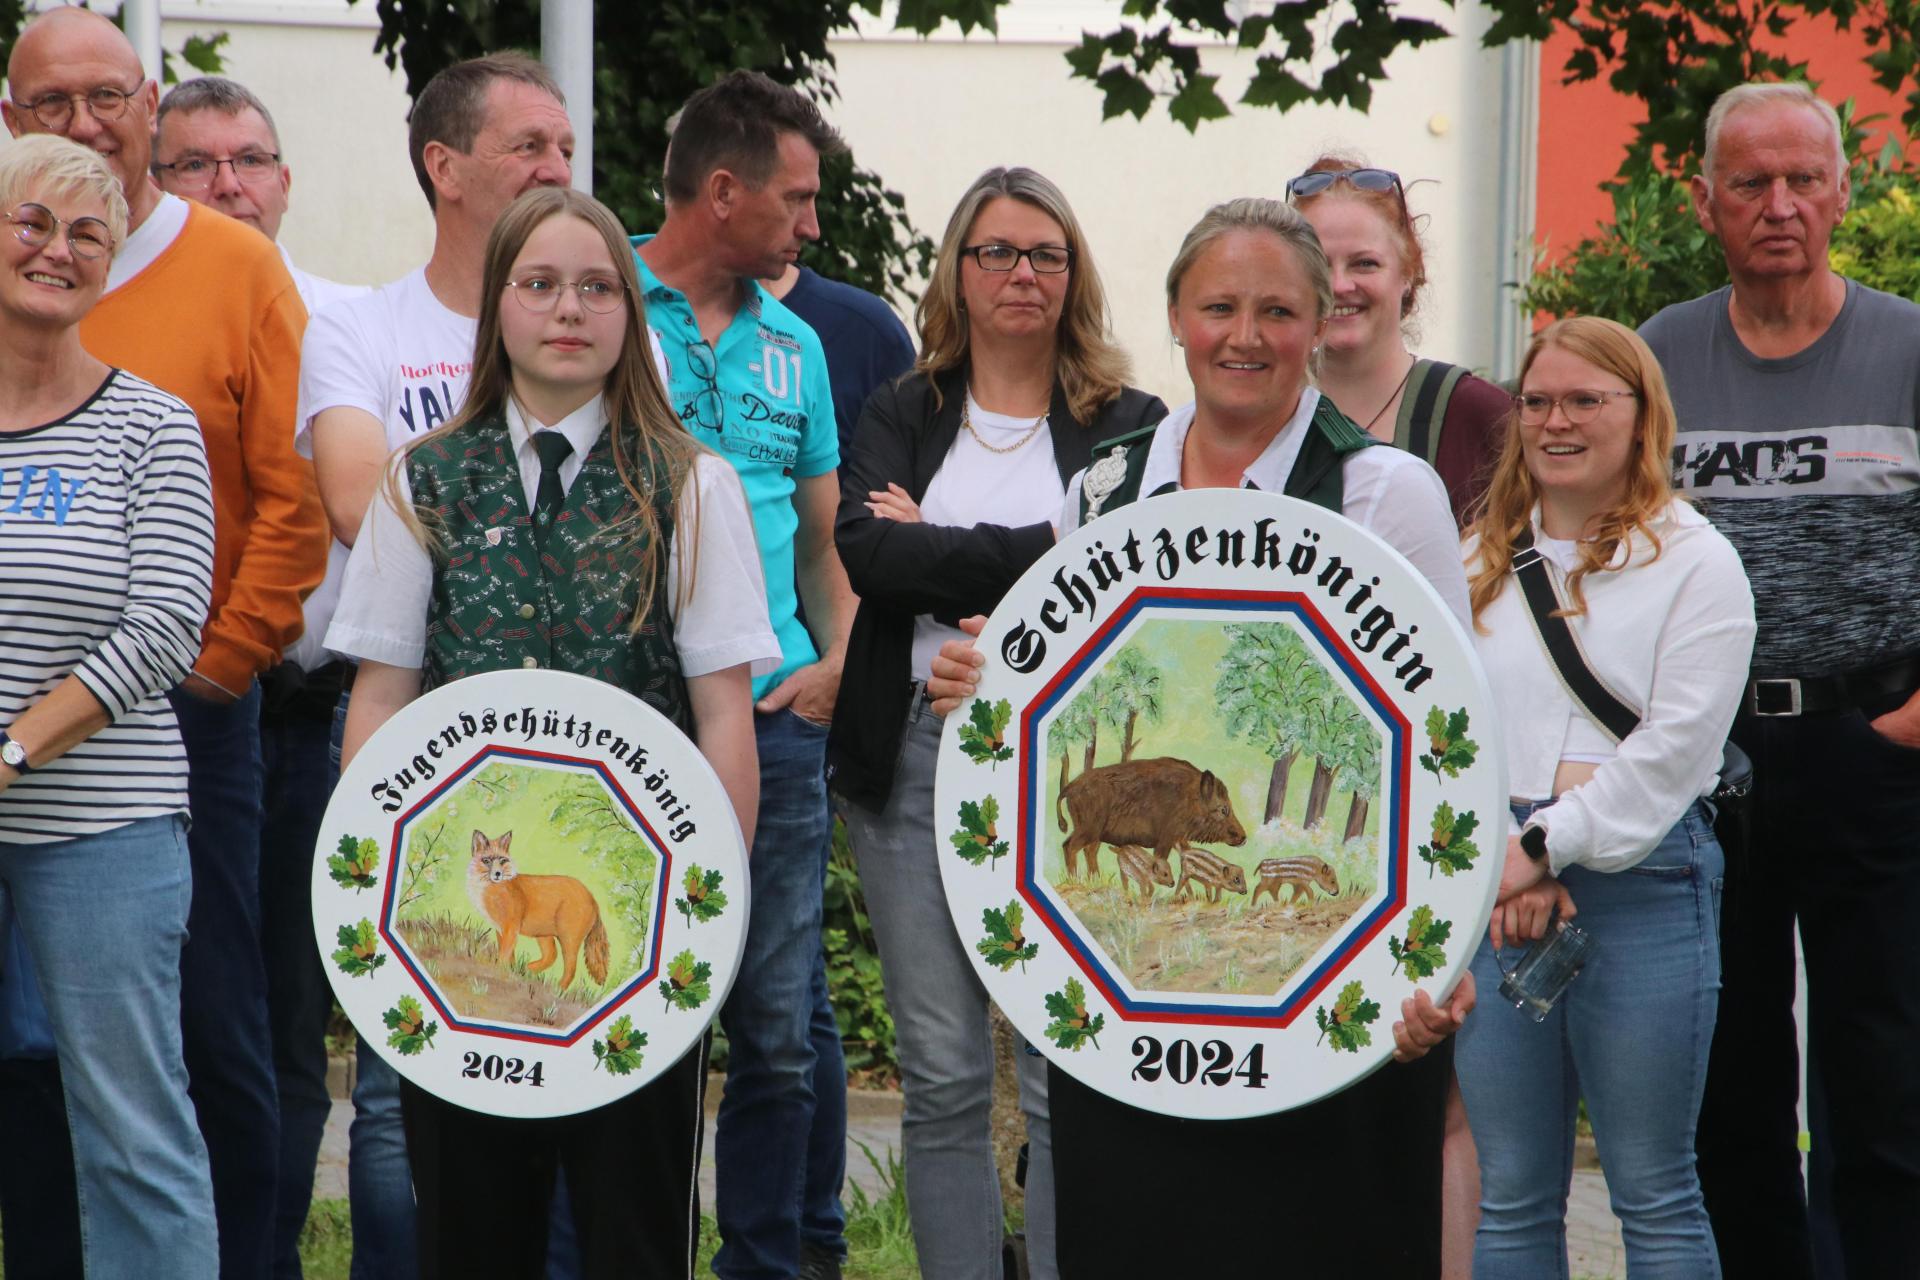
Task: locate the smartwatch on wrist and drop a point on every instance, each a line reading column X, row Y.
column 1533, row 841
column 13, row 755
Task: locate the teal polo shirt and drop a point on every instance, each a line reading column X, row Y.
column 761, row 399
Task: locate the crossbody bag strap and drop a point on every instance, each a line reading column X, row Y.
column 1563, row 647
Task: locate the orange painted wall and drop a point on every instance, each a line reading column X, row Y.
column 1585, row 128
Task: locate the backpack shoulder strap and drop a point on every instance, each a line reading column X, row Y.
column 1423, row 409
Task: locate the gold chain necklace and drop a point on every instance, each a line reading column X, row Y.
column 966, row 420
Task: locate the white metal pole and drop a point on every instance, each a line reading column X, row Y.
column 566, row 46
column 142, row 21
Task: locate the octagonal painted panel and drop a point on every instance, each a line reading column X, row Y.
column 530, row 893
column 1221, row 802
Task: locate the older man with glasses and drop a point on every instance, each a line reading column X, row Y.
column 203, row 308
column 216, row 144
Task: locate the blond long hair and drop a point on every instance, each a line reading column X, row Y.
column 1091, row 367
column 647, row 437
column 1508, row 504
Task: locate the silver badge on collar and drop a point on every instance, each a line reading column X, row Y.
column 494, row 535
column 1102, row 478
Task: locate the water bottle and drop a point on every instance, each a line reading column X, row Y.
column 1536, row 984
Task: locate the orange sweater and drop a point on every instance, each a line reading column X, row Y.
column 215, row 319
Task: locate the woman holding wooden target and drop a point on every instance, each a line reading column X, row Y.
column 630, row 519
column 1248, row 298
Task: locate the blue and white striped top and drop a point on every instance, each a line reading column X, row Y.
column 106, row 563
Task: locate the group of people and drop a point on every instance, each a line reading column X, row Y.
column 231, row 495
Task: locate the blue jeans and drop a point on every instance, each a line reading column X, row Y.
column 104, row 918
column 766, row 1117
column 297, row 781
column 946, row 1049
column 1631, row 1035
column 223, row 980
column 379, row 1179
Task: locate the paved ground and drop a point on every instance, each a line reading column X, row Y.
column 1593, row 1237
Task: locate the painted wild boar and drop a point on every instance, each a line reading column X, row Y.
column 1157, row 804
column 1210, row 871
column 1141, row 867
column 1295, row 875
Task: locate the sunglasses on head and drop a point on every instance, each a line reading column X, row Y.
column 1312, row 184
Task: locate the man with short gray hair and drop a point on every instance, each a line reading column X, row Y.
column 1798, row 398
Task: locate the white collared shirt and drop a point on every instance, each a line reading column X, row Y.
column 1387, row 491
column 1671, row 636
column 146, row 242
column 721, row 623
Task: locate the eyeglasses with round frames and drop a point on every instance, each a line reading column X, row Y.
column 1580, row 407
column 540, row 294
column 54, row 111
column 197, row 173
column 1313, row 183
column 35, row 224
column 1046, row 259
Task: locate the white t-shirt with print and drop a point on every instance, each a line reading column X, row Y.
column 398, row 354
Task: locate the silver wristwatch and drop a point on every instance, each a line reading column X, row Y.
column 13, row 755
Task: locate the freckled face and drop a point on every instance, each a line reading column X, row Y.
column 1369, row 276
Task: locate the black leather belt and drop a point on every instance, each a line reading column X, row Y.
column 1807, row 695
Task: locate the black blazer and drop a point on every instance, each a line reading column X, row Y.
column 902, row 570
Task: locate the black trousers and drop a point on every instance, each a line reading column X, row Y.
column 485, row 1184
column 1834, row 842
column 1348, row 1186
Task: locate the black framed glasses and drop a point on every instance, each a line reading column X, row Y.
column 1579, row 406
column 197, row 173
column 34, row 224
column 1046, row 259
column 1312, row 184
column 541, row 294
column 707, row 408
column 54, row 111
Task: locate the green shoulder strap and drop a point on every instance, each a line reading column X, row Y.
column 1317, row 474
column 1423, row 409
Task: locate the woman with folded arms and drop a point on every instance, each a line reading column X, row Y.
column 1615, row 830
column 951, row 489
column 106, row 562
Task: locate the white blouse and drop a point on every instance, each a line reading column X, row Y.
column 1672, row 636
column 722, row 622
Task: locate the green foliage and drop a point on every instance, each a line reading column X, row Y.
column 647, row 64
column 1005, row 946
column 687, row 985
column 978, row 838
column 1346, row 1027
column 982, row 738
column 704, row 901
column 1449, row 749
column 1451, row 849
column 359, row 949
column 411, row 1030
column 355, row 864
column 1071, row 1026
column 853, row 968
column 620, row 1054
column 1421, row 953
column 1275, row 693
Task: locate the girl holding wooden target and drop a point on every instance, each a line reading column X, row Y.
column 566, row 419
column 1249, row 295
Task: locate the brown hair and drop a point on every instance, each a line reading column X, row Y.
column 1508, row 504
column 1392, row 208
column 452, row 109
column 647, row 437
column 1090, row 366
column 735, row 124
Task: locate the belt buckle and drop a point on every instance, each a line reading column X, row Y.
column 1789, row 688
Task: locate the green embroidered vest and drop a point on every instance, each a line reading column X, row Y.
column 499, row 604
column 1316, row 476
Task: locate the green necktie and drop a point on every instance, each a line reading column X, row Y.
column 553, row 449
